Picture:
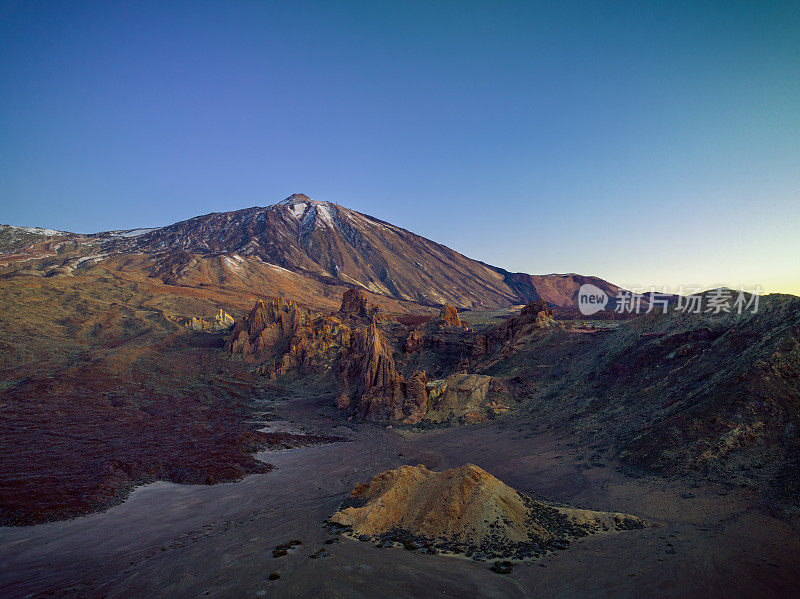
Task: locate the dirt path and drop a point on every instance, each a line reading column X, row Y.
column 192, row 540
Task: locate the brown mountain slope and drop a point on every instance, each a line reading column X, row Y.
column 555, row 289
column 319, row 243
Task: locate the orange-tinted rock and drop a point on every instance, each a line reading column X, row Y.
column 468, row 506
column 367, row 370
column 221, row 323
column 466, row 502
column 257, row 336
column 449, row 316
column 534, row 317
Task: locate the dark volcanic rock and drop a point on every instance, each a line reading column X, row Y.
column 354, row 303
column 285, row 440
column 535, row 316
column 535, row 307
column 371, row 385
column 413, row 342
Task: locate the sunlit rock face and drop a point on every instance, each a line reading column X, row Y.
column 466, row 509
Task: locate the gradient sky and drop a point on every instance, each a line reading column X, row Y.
column 650, row 143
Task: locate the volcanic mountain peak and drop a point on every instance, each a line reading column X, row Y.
column 298, row 198
column 298, row 204
column 323, row 242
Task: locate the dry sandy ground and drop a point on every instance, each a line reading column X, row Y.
column 189, row 541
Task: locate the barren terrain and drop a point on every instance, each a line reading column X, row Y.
column 183, row 411
column 192, row 540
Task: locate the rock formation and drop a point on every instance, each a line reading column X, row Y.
column 534, row 317
column 354, row 303
column 318, row 342
column 355, row 348
column 537, row 307
column 466, row 510
column 413, row 342
column 371, row 385
column 266, row 330
column 461, row 395
column 449, row 316
column 221, row 323
column 283, row 337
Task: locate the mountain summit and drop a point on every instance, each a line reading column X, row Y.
column 321, row 241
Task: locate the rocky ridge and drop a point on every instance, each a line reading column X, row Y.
column 373, row 359
column 281, row 337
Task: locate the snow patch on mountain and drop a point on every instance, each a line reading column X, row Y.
column 309, row 221
column 297, row 210
column 132, row 232
column 356, row 216
column 325, row 214
column 38, row 231
column 281, row 269
column 89, row 260
column 234, row 262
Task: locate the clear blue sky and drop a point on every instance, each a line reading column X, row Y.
column 645, row 142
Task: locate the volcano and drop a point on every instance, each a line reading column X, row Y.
column 298, row 242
